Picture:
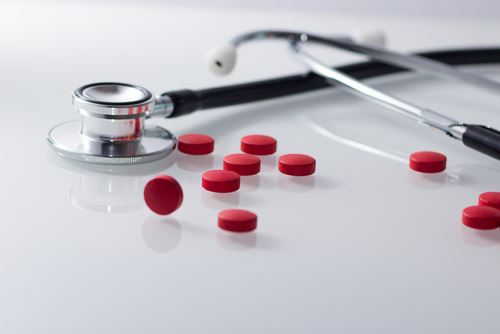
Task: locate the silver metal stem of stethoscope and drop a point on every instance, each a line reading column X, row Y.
column 419, row 64
column 163, row 107
column 412, row 62
column 425, row 116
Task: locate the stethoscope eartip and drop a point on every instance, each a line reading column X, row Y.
column 221, row 59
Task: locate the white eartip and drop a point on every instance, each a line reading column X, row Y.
column 221, row 59
column 374, row 38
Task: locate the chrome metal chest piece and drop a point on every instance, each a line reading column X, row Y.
column 112, row 127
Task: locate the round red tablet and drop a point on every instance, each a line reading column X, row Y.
column 297, row 164
column 220, row 181
column 428, row 162
column 243, row 164
column 491, row 198
column 237, row 220
column 163, row 195
column 258, row 144
column 195, row 144
column 481, row 217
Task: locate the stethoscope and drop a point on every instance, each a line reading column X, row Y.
column 113, row 129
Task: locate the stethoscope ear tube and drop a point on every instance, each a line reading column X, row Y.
column 483, row 139
column 187, row 101
column 478, row 137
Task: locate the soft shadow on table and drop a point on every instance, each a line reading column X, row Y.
column 220, row 200
column 483, row 238
column 455, row 175
column 250, row 183
column 230, row 200
column 235, row 241
column 268, row 163
column 302, row 184
column 195, row 163
column 264, row 110
column 162, row 234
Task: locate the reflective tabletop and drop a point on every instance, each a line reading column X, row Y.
column 365, row 245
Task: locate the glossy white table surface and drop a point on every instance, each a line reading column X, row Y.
column 363, row 246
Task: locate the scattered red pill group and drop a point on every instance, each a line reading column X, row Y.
column 237, row 220
column 490, row 199
column 220, row 181
column 195, row 144
column 163, row 194
column 243, row 164
column 481, row 217
column 428, row 162
column 258, row 144
column 297, row 164
column 485, row 215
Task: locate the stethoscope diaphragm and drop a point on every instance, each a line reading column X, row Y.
column 112, row 127
column 156, row 143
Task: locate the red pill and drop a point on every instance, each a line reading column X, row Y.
column 163, row 195
column 490, row 199
column 237, row 220
column 428, row 162
column 195, row 144
column 220, row 181
column 258, row 144
column 481, row 217
column 241, row 163
column 297, row 164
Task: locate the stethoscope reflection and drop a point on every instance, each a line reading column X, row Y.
column 454, row 175
column 107, row 193
column 109, row 189
column 118, row 189
column 161, row 234
column 164, row 234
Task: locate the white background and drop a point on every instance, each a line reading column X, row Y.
column 363, row 246
column 473, row 9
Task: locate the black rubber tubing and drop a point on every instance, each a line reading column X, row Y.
column 186, row 101
column 483, row 139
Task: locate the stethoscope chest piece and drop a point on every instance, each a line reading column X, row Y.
column 112, row 127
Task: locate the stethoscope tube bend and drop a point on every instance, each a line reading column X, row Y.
column 479, row 137
column 356, row 87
